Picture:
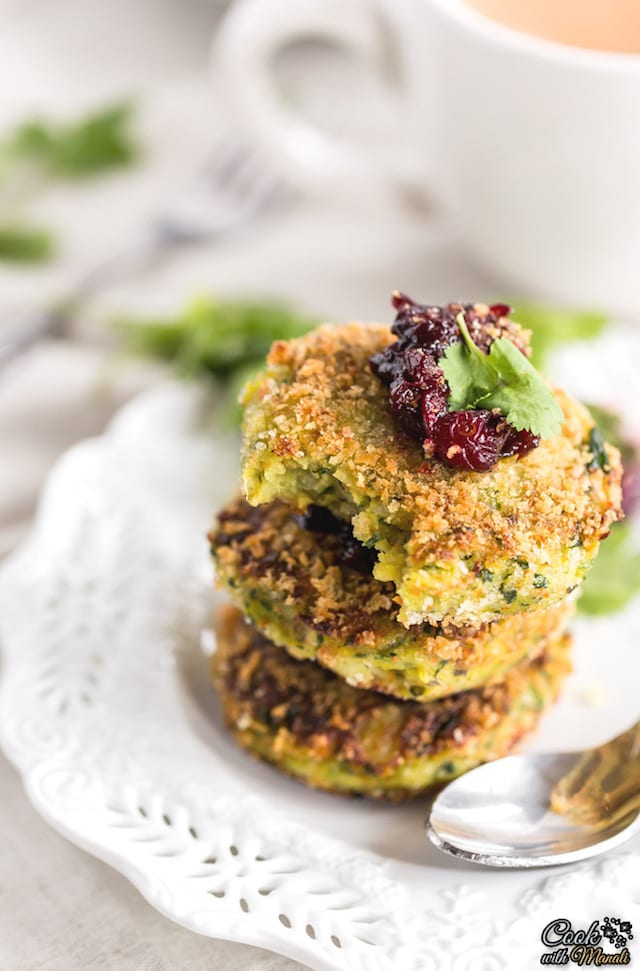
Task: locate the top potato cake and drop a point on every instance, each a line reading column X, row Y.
column 461, row 548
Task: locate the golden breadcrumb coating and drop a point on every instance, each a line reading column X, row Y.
column 461, row 548
column 293, row 585
column 316, row 727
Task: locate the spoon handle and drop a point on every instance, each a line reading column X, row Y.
column 604, row 784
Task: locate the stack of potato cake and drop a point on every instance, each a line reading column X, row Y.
column 398, row 621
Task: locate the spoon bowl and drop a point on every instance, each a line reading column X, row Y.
column 499, row 815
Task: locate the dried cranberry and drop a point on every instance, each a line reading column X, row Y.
column 419, row 366
column 400, row 300
column 357, row 556
column 318, row 519
column 405, row 395
column 433, row 328
column 349, row 551
column 500, row 310
column 387, row 364
column 417, row 388
column 518, row 442
column 468, row 440
column 434, row 402
column 406, row 404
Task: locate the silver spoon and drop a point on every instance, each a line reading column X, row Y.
column 500, row 813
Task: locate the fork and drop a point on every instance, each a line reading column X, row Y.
column 232, row 188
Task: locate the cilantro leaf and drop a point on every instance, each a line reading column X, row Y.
column 25, row 244
column 522, row 396
column 224, row 340
column 463, row 377
column 94, row 144
column 212, row 337
column 503, row 379
column 600, row 458
column 470, row 373
column 610, row 426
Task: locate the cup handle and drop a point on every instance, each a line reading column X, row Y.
column 249, row 37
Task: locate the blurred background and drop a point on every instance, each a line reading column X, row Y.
column 137, row 128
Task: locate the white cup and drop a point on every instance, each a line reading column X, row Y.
column 533, row 147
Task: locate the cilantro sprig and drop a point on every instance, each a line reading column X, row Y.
column 225, row 340
column 37, row 152
column 212, row 337
column 614, row 578
column 95, row 143
column 23, row 243
column 504, row 380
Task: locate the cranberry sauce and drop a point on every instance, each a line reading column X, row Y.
column 471, row 440
column 350, row 552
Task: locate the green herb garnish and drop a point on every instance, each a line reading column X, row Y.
column 503, row 379
column 551, row 326
column 100, row 141
column 614, row 578
column 94, row 144
column 447, row 768
column 25, row 244
column 226, row 340
column 599, row 459
column 213, row 337
column 610, row 424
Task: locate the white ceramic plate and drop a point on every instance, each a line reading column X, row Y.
column 107, row 712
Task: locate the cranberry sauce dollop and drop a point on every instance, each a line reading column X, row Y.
column 470, row 440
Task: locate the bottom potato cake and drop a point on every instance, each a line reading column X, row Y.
column 314, row 726
column 293, row 583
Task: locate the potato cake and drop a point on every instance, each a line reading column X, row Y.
column 307, row 590
column 314, row 726
column 461, row 548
